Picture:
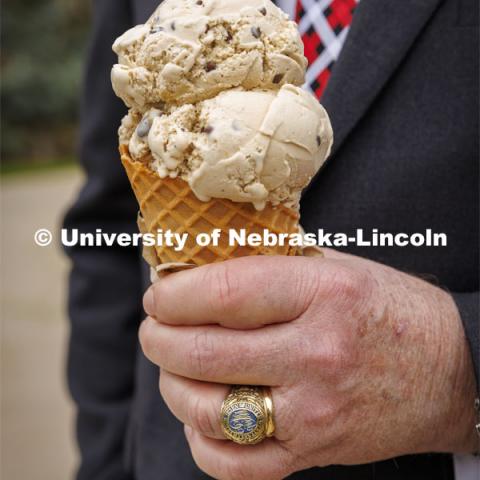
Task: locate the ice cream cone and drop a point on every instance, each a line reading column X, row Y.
column 170, row 204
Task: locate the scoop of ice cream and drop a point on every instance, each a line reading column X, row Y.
column 190, row 50
column 247, row 146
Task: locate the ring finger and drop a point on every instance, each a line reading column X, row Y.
column 198, row 405
column 194, row 403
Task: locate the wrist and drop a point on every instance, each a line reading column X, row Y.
column 457, row 386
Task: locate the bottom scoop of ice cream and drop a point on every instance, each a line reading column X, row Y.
column 254, row 146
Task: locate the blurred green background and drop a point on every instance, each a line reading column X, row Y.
column 43, row 47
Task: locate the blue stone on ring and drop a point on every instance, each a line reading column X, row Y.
column 242, row 421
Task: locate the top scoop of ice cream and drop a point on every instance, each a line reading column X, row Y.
column 253, row 146
column 190, row 50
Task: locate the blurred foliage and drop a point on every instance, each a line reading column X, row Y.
column 43, row 46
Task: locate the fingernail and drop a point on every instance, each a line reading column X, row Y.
column 149, row 302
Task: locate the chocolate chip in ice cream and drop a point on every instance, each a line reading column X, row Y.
column 143, row 128
column 210, row 66
column 263, row 11
column 172, row 26
column 200, row 3
column 256, row 32
column 189, row 150
column 208, row 129
column 278, row 78
column 156, row 29
column 160, row 106
column 319, row 140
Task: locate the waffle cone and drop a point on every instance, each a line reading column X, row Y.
column 170, row 204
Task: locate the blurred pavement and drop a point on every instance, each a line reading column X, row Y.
column 36, row 413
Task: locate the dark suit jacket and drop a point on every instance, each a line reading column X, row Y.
column 403, row 100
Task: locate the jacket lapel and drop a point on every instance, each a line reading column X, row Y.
column 382, row 32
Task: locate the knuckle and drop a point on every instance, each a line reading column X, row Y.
column 333, row 357
column 323, row 416
column 201, row 357
column 346, row 284
column 304, row 284
column 224, row 287
column 200, row 417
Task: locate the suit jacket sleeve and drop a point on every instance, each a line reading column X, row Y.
column 468, row 306
column 104, row 289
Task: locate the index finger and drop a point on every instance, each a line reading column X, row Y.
column 244, row 293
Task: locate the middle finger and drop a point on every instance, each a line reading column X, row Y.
column 220, row 355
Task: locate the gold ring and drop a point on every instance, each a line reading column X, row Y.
column 247, row 415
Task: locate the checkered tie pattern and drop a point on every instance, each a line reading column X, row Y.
column 324, row 26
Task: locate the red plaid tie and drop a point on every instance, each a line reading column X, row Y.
column 324, row 25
